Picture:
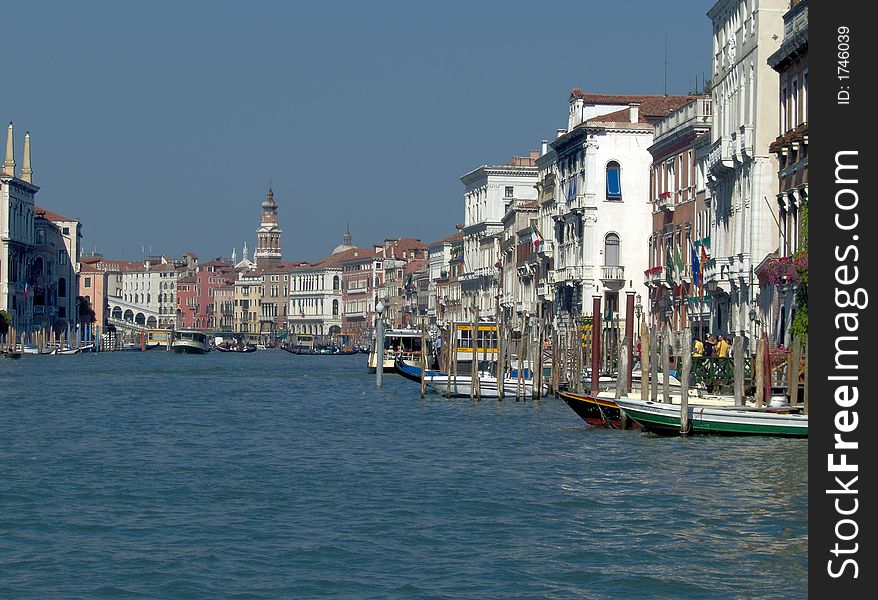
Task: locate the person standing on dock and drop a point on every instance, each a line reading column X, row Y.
column 710, row 346
column 722, row 347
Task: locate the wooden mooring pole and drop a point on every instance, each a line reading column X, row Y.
column 738, row 364
column 686, row 355
column 644, row 361
column 666, row 365
column 423, row 361
column 595, row 344
column 759, row 372
column 795, row 356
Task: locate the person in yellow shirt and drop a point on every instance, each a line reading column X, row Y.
column 722, row 347
column 698, row 350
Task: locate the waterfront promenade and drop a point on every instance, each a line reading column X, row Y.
column 280, row 476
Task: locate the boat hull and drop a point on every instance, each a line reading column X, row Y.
column 186, row 347
column 665, row 419
column 597, row 411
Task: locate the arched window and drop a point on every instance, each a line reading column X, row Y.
column 62, row 288
column 336, row 284
column 611, row 250
column 614, row 181
column 38, row 266
column 335, row 307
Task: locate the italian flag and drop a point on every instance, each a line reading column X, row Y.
column 535, row 238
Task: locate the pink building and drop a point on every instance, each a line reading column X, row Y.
column 198, row 304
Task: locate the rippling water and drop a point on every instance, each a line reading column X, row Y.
column 273, row 475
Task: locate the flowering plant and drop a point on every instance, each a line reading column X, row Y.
column 788, row 269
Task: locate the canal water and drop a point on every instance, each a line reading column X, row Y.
column 271, row 475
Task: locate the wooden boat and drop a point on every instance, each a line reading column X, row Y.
column 333, row 351
column 189, row 341
column 596, row 410
column 66, row 351
column 460, row 386
column 411, row 372
column 664, row 418
column 240, row 349
column 14, row 354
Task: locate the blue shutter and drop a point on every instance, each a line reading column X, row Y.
column 614, row 185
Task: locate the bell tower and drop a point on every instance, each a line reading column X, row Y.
column 268, row 234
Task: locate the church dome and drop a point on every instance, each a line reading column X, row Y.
column 269, row 203
column 345, row 242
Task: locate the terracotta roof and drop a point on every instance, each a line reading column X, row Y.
column 448, row 238
column 215, row 262
column 415, row 265
column 88, row 268
column 335, row 260
column 361, row 254
column 408, row 243
column 190, row 279
column 51, row 216
column 652, row 107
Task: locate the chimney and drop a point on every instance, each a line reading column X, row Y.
column 634, row 112
column 559, row 133
column 544, row 147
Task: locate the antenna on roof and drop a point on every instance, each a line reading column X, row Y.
column 666, row 63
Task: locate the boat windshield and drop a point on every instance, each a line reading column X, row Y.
column 404, row 344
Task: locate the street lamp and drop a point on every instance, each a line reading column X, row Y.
column 379, row 345
column 753, row 320
column 638, row 310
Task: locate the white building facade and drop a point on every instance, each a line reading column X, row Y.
column 600, row 205
column 489, row 193
column 742, row 177
column 316, row 303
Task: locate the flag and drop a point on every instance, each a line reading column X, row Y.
column 535, row 238
column 701, row 270
column 696, row 266
column 678, row 263
column 669, row 268
column 25, row 290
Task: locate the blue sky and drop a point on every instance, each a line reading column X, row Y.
column 160, row 124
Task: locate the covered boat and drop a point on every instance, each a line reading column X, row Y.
column 728, row 420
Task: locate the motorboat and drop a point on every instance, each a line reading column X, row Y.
column 189, row 341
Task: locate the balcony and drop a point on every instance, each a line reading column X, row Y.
column 547, row 248
column 695, row 114
column 612, row 273
column 745, row 142
column 665, row 201
column 653, row 276
column 719, row 156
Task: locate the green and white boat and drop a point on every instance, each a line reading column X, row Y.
column 664, row 418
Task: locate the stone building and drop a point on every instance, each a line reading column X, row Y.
column 777, row 302
column 490, row 190
column 52, row 275
column 600, row 204
column 362, row 273
column 199, row 295
column 680, row 220
column 742, row 173
column 16, row 235
column 268, row 249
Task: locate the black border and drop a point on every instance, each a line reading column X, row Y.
column 838, row 127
